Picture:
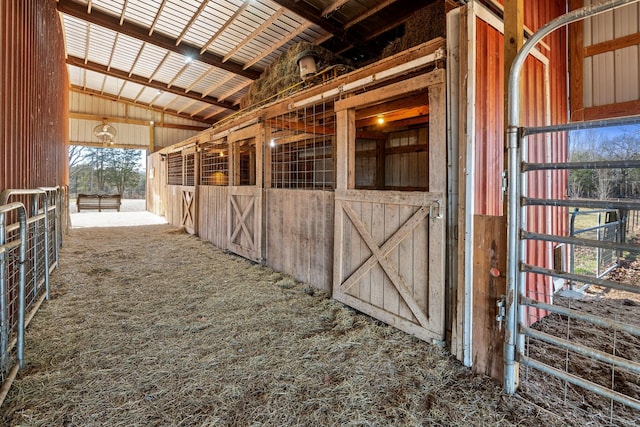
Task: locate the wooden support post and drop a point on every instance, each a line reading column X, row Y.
column 576, row 66
column 152, row 140
column 345, row 150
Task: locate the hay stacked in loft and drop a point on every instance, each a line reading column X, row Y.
column 424, row 25
column 284, row 73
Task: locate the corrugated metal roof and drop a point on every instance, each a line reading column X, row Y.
column 201, row 48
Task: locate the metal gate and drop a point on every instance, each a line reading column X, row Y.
column 550, row 339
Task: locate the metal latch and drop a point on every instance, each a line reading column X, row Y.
column 501, row 305
column 434, row 210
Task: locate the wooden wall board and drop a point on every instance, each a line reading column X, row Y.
column 490, row 236
column 212, row 214
column 299, row 237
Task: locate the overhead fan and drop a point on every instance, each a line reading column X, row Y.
column 105, row 133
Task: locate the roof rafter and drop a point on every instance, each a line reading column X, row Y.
column 277, row 46
column 255, row 32
column 123, row 75
column 187, row 27
column 217, row 34
column 311, row 14
column 111, row 22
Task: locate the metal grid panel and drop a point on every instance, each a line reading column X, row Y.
column 214, row 165
column 174, row 169
column 302, row 146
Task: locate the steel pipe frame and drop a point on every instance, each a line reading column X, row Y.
column 4, row 333
column 602, row 244
column 620, row 362
column 596, row 388
column 613, row 164
column 514, row 134
column 35, row 194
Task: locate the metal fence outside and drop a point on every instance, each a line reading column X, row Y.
column 31, row 234
column 595, row 261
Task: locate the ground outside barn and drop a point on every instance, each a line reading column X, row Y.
column 150, row 326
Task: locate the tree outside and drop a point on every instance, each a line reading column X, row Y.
column 106, row 171
column 591, row 146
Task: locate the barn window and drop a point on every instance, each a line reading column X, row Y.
column 214, row 165
column 301, row 145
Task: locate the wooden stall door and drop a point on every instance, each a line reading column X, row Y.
column 188, row 209
column 244, row 219
column 389, row 258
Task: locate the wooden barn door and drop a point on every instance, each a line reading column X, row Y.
column 389, row 258
column 389, row 246
column 244, row 207
column 188, row 208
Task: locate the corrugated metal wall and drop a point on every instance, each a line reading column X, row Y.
column 611, row 77
column 131, row 123
column 33, row 96
column 537, row 110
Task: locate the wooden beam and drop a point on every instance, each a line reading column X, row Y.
column 611, row 45
column 97, row 94
column 391, row 91
column 389, row 107
column 369, row 13
column 115, row 119
column 335, row 5
column 114, row 145
column 619, row 109
column 576, row 66
column 123, row 75
column 409, row 113
column 155, row 20
column 255, row 32
column 113, row 23
column 276, row 46
column 224, row 27
column 187, row 27
column 311, row 14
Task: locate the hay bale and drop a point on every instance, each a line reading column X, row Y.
column 284, row 73
column 424, row 25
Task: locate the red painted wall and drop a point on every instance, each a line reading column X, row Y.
column 33, row 96
column 489, row 133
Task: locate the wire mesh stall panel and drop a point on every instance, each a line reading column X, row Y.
column 301, row 148
column 214, row 164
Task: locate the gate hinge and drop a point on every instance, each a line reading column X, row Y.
column 501, row 305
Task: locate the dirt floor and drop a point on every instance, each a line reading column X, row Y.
column 148, row 326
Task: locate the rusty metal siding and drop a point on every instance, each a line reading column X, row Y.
column 33, row 96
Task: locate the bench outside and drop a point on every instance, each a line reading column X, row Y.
column 99, row 201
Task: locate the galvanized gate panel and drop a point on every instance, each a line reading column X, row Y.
column 244, row 221
column 388, row 259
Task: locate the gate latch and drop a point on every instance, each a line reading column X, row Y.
column 434, row 210
column 501, row 305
